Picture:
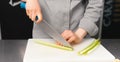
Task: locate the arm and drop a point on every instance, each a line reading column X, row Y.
column 87, row 24
column 91, row 16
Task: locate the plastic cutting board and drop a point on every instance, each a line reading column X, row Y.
column 40, row 53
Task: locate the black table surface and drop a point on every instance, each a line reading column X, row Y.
column 13, row 50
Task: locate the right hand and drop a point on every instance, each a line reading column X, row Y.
column 33, row 9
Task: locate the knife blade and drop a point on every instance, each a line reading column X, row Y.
column 50, row 30
column 53, row 33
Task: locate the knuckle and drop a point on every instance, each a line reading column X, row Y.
column 40, row 18
column 73, row 37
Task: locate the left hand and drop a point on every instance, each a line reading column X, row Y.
column 70, row 36
column 73, row 38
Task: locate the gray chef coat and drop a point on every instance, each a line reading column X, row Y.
column 69, row 15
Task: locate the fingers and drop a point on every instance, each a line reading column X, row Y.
column 65, row 34
column 27, row 12
column 32, row 15
column 39, row 18
column 59, row 43
column 69, row 36
column 33, row 10
column 70, row 40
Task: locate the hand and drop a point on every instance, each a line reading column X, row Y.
column 33, row 10
column 70, row 36
column 74, row 38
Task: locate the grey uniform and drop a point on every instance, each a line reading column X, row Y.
column 69, row 14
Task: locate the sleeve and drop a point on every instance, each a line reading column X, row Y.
column 14, row 2
column 91, row 16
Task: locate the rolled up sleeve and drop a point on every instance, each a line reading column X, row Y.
column 91, row 16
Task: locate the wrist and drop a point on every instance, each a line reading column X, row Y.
column 80, row 33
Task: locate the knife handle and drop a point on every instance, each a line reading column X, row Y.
column 23, row 6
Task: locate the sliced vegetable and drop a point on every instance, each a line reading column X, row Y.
column 53, row 45
column 90, row 47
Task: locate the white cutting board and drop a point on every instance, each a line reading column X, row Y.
column 41, row 53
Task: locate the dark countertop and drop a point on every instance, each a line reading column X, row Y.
column 112, row 45
column 14, row 49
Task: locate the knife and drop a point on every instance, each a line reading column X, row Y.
column 50, row 30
